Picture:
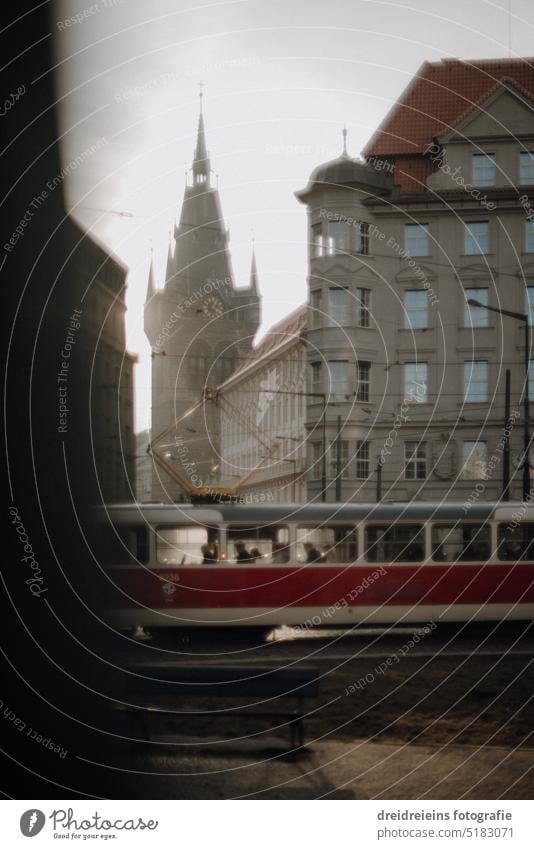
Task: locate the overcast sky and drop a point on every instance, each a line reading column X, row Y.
column 281, row 77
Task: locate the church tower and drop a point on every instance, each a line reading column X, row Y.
column 199, row 325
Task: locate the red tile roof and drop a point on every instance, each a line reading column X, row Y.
column 439, row 96
column 290, row 326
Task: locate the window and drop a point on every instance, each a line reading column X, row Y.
column 363, row 373
column 529, row 245
column 227, row 366
column 416, row 239
column 327, row 544
column 476, row 316
column 476, row 237
column 316, row 306
column 339, row 377
column 530, row 304
column 318, row 245
column 414, row 461
column 475, row 460
column 526, row 168
column 363, row 306
column 184, row 546
column 338, row 307
column 415, row 382
column 343, row 471
column 475, row 381
column 257, row 545
column 483, row 169
column 199, row 367
column 317, row 460
column 515, row 543
column 460, row 542
column 415, row 309
column 361, row 459
column 393, row 543
column 339, row 236
column 316, row 375
column 362, row 238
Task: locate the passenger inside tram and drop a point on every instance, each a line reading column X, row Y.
column 516, row 541
column 454, row 542
column 327, row 544
column 209, row 553
column 313, row 555
column 261, row 545
column 242, row 555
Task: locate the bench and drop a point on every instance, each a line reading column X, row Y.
column 224, row 681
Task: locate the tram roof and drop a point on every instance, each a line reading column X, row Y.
column 323, row 512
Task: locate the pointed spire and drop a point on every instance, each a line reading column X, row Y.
column 201, row 164
column 169, row 271
column 344, row 153
column 253, row 271
column 151, row 288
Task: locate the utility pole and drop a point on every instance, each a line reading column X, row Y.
column 506, row 448
column 526, row 418
column 379, row 481
column 338, row 460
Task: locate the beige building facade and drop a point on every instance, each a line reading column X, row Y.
column 437, row 214
column 263, row 409
column 102, row 317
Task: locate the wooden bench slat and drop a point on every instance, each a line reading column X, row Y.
column 209, row 681
column 216, row 681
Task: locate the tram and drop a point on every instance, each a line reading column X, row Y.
column 317, row 565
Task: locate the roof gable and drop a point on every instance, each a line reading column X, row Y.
column 503, row 113
column 438, row 96
column 285, row 331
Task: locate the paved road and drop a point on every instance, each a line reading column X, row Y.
column 449, row 716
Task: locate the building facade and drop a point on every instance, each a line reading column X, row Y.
column 144, row 466
column 199, row 326
column 263, row 409
column 103, row 340
column 440, row 212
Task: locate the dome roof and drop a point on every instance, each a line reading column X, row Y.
column 345, row 171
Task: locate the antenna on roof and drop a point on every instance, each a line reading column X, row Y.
column 509, row 28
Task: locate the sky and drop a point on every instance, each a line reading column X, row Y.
column 281, row 78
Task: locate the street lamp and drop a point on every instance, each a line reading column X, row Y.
column 524, row 318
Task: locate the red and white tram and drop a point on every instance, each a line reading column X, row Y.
column 319, row 564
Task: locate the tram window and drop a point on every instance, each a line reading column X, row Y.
column 327, row 544
column 260, row 545
column 515, row 542
column 394, row 543
column 460, row 542
column 124, row 545
column 187, row 545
